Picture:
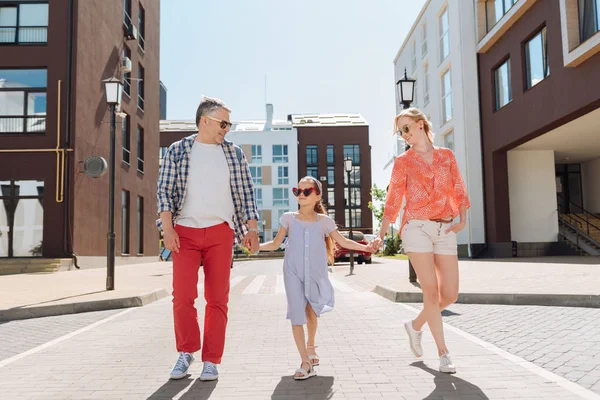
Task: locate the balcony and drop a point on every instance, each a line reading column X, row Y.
column 22, row 124
column 24, row 34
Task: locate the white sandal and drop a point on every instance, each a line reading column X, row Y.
column 305, row 374
column 313, row 358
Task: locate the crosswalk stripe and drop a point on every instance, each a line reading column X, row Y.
column 255, row 285
column 342, row 287
column 235, row 280
column 279, row 285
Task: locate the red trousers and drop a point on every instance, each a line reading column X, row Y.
column 212, row 246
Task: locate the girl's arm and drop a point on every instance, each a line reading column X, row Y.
column 349, row 244
column 275, row 243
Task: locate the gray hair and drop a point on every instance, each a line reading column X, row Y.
column 209, row 106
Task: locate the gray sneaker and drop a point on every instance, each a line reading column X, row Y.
column 209, row 372
column 446, row 364
column 414, row 338
column 180, row 370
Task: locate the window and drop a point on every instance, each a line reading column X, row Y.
column 140, row 149
column 124, row 222
column 161, row 154
column 444, row 36
column 589, row 18
column 127, row 75
column 446, row 96
column 312, row 171
column 330, row 155
column 356, row 217
column 426, row 86
column 256, row 154
column 355, row 200
column 495, row 10
column 536, row 59
column 126, row 138
column 282, row 176
column 276, row 223
column 331, row 214
column 23, row 101
column 140, row 225
column 141, row 87
column 24, row 23
column 354, row 176
column 330, row 175
column 449, row 140
column 281, row 197
column 258, row 197
column 256, row 173
column 127, row 12
column 424, row 40
column 414, row 56
column 330, row 197
column 280, row 153
column 352, row 151
column 415, row 91
column 141, row 27
column 311, row 155
column 502, row 85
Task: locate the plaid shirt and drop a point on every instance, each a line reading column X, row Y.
column 173, row 176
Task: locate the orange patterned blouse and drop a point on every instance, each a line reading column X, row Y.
column 433, row 191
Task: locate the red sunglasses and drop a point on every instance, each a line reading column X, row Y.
column 306, row 192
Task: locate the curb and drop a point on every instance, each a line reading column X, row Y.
column 18, row 313
column 513, row 299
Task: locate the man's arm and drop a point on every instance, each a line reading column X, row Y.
column 250, row 209
column 165, row 187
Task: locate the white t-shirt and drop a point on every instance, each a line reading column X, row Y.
column 208, row 201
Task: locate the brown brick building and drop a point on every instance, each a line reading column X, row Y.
column 53, row 115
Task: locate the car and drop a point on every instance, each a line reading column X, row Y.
column 342, row 254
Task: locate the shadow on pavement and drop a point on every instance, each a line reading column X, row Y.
column 315, row 388
column 447, row 385
column 448, row 313
column 198, row 391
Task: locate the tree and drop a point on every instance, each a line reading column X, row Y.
column 379, row 196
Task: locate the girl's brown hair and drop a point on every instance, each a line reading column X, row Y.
column 416, row 115
column 320, row 208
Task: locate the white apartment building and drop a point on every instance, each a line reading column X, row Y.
column 439, row 52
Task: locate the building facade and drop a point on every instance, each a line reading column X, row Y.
column 324, row 141
column 539, row 72
column 440, row 54
column 53, row 115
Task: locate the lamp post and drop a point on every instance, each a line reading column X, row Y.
column 348, row 168
column 113, row 92
column 405, row 88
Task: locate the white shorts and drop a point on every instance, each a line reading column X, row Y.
column 425, row 236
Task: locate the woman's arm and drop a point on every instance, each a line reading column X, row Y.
column 349, row 244
column 275, row 243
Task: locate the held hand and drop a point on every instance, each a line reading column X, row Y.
column 171, row 240
column 376, row 244
column 251, row 242
column 456, row 227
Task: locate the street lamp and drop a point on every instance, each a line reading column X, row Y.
column 113, row 90
column 348, row 168
column 405, row 88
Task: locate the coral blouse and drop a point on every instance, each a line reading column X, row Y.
column 433, row 191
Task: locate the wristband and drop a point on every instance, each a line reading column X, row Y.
column 253, row 230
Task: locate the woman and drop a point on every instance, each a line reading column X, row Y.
column 435, row 195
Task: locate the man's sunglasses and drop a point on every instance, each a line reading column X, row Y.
column 306, row 192
column 224, row 124
column 405, row 129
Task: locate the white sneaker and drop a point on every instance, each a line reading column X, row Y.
column 446, row 365
column 209, row 372
column 414, row 337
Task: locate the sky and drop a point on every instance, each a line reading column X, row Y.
column 318, row 56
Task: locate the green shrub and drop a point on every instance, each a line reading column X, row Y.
column 392, row 245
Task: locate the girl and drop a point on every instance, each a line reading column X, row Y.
column 310, row 245
column 435, row 196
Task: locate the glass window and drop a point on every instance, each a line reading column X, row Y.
column 502, row 85
column 127, row 75
column 140, row 149
column 444, row 35
column 23, row 101
column 256, row 154
column 446, row 96
column 355, row 192
column 126, row 139
column 311, row 155
column 536, row 59
column 312, row 171
column 141, row 88
column 258, row 197
column 256, row 173
column 414, row 56
column 330, row 155
column 449, row 140
column 24, row 23
column 330, row 175
column 354, row 176
column 331, row 213
column 161, row 154
column 280, row 153
column 330, row 197
column 426, row 86
column 495, row 10
column 141, row 27
column 140, row 225
column 282, row 176
column 281, row 197
column 124, row 222
column 127, row 12
column 356, row 217
column 352, row 151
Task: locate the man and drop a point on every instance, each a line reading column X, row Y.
column 205, row 196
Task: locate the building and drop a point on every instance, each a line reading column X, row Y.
column 163, row 102
column 270, row 146
column 439, row 52
column 53, row 115
column 539, row 78
column 324, row 141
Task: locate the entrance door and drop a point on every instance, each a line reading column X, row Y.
column 21, row 218
column 568, row 188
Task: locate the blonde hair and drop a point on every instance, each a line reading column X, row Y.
column 416, row 115
column 320, row 208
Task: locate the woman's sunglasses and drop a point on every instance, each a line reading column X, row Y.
column 224, row 124
column 405, row 129
column 306, row 192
